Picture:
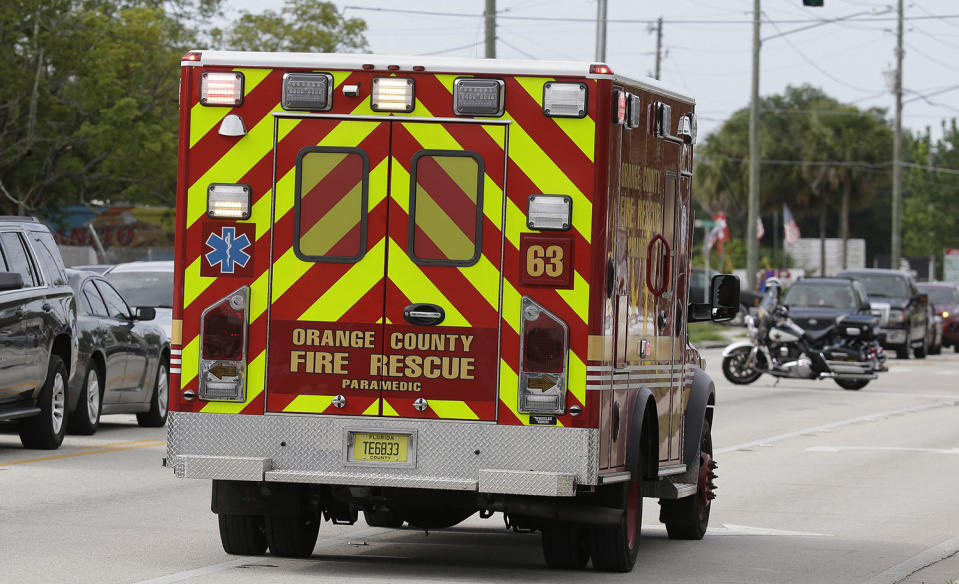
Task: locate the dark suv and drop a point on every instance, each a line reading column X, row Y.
column 38, row 318
column 902, row 309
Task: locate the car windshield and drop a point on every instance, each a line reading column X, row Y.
column 144, row 288
column 885, row 286
column 942, row 296
column 820, row 295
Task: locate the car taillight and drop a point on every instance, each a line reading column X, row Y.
column 223, row 348
column 544, row 348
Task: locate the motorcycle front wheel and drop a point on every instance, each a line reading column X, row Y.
column 738, row 371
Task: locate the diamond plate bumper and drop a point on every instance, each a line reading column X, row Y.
column 464, row 456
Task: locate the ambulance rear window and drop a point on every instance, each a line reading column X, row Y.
column 446, row 207
column 331, row 204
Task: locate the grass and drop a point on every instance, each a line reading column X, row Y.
column 707, row 331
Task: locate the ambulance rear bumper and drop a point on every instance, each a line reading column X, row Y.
column 450, row 455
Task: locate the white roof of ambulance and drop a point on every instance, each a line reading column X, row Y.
column 432, row 64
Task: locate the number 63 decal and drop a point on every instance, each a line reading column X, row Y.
column 546, row 260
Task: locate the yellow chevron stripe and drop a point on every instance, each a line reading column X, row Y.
column 548, row 178
column 204, row 118
column 256, row 372
column 356, row 282
column 484, row 277
column 581, row 131
column 235, row 163
column 190, row 362
column 578, row 297
column 193, row 283
column 452, row 409
column 410, row 279
column 388, row 410
column 309, row 404
column 259, row 296
column 374, row 409
column 576, row 379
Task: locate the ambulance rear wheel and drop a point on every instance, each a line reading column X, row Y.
column 565, row 547
column 688, row 518
column 291, row 537
column 614, row 548
column 242, row 535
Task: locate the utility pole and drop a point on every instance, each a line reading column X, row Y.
column 490, row 29
column 752, row 246
column 896, row 155
column 659, row 44
column 601, row 31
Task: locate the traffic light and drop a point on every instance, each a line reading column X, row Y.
column 812, row 2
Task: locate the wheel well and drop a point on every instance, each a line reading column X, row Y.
column 101, row 364
column 650, row 441
column 61, row 348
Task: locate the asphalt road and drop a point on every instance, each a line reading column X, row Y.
column 817, row 484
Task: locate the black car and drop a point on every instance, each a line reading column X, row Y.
column 38, row 322
column 123, row 361
column 902, row 309
column 815, row 303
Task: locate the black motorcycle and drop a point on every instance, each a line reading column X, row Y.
column 849, row 351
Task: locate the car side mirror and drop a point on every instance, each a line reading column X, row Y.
column 10, row 281
column 724, row 301
column 724, row 292
column 145, row 313
column 921, row 298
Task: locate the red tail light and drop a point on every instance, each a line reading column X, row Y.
column 223, row 333
column 544, row 346
column 544, row 349
column 223, row 348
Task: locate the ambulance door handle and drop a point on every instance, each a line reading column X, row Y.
column 424, row 314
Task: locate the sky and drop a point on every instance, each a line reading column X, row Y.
column 706, row 45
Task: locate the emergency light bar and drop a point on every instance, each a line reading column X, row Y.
column 549, row 212
column 392, row 94
column 228, row 201
column 564, row 100
column 307, row 91
column 221, row 88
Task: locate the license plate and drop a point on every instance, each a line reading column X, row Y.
column 379, row 447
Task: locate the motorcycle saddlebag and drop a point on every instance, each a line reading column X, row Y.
column 859, row 326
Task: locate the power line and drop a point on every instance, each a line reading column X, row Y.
column 630, row 20
column 450, row 50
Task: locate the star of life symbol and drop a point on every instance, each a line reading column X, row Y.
column 228, row 250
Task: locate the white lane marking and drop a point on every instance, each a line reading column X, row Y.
column 827, row 427
column 923, row 559
column 253, row 560
column 890, row 448
column 730, row 529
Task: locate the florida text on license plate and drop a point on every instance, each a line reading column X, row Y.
column 377, row 447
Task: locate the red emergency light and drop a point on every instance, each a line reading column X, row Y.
column 599, row 69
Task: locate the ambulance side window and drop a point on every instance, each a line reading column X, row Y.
column 446, row 207
column 331, row 203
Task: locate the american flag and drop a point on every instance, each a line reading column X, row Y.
column 790, row 227
column 760, row 230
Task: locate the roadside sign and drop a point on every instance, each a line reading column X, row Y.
column 703, row 223
column 950, row 265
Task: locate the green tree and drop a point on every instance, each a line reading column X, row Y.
column 816, row 154
column 310, row 26
column 930, row 187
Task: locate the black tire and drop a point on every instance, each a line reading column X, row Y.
column 688, row 518
column 85, row 419
column 921, row 351
column 159, row 401
column 565, row 547
column 291, row 537
column 852, row 384
column 45, row 431
column 736, row 370
column 614, row 548
column 242, row 535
